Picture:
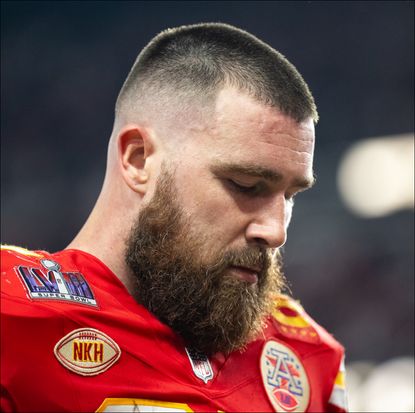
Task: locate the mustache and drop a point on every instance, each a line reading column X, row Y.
column 258, row 258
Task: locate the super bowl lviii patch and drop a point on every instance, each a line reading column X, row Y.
column 284, row 377
column 87, row 351
column 50, row 283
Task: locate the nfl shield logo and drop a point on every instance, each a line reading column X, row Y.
column 200, row 365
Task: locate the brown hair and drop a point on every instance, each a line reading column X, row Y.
column 194, row 62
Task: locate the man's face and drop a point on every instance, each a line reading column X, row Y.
column 204, row 249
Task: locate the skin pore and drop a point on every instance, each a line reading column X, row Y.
column 200, row 215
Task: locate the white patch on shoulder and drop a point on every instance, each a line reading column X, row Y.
column 284, row 378
column 87, row 351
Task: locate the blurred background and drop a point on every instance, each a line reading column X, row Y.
column 350, row 250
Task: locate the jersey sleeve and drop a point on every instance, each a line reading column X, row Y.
column 25, row 328
column 317, row 348
column 338, row 399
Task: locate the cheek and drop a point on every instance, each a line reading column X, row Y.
column 209, row 207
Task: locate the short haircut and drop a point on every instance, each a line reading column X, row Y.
column 195, row 62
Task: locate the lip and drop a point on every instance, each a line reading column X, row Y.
column 245, row 273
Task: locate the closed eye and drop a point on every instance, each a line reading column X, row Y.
column 251, row 190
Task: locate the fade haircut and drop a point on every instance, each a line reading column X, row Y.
column 187, row 66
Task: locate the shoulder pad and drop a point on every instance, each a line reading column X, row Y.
column 291, row 321
column 11, row 254
column 38, row 277
column 19, row 250
column 12, row 259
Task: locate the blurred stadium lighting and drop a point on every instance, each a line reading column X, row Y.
column 376, row 176
column 386, row 387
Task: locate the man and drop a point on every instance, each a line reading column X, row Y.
column 169, row 298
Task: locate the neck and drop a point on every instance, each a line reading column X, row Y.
column 103, row 236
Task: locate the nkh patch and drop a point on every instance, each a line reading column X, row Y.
column 87, row 351
column 50, row 283
column 200, row 365
column 284, row 377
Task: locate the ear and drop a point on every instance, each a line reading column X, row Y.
column 134, row 148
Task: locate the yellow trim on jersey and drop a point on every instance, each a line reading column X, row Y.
column 143, row 402
column 296, row 321
column 293, row 321
column 340, row 380
column 21, row 250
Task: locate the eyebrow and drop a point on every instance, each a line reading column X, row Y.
column 260, row 172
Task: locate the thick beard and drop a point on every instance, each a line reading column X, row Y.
column 210, row 309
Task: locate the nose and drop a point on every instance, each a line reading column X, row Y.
column 269, row 226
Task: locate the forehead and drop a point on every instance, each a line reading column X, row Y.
column 246, row 130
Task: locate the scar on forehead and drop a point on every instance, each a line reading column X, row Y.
column 260, row 172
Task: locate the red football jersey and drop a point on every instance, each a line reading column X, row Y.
column 73, row 339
